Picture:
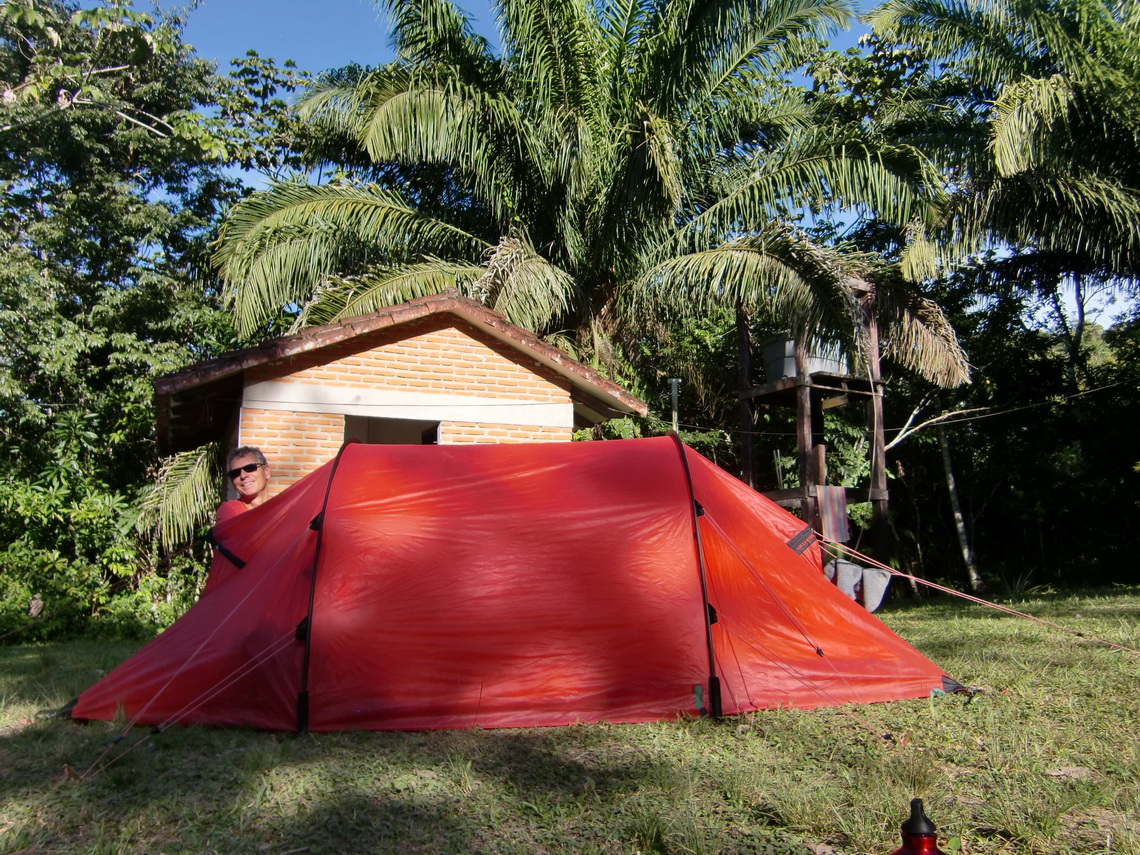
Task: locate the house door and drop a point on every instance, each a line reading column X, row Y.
column 374, row 431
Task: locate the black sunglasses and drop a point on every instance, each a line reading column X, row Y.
column 249, row 467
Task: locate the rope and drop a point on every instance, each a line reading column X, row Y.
column 799, row 627
column 978, row 600
column 133, row 721
column 229, row 679
column 732, row 630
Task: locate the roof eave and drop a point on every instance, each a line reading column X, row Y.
column 597, row 393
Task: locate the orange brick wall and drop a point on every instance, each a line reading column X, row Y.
column 427, row 356
column 294, row 443
column 434, row 355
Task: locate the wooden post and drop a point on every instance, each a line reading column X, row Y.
column 818, row 440
column 880, row 529
column 808, row 507
column 747, row 405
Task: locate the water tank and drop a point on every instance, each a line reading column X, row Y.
column 779, row 356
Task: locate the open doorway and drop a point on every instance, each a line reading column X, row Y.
column 391, row 431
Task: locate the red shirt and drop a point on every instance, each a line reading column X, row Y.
column 227, row 510
column 221, row 568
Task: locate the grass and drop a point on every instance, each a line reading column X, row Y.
column 1046, row 759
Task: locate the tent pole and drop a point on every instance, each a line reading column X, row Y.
column 695, row 510
column 305, row 627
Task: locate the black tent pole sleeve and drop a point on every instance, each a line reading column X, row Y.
column 695, row 510
column 305, row 628
column 221, row 547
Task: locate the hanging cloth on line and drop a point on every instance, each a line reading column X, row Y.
column 833, row 512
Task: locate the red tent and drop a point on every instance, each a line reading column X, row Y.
column 413, row 587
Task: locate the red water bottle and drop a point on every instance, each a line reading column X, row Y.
column 918, row 833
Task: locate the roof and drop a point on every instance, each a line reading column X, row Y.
column 194, row 404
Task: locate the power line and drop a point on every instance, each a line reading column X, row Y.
column 947, row 421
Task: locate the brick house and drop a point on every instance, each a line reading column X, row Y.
column 439, row 369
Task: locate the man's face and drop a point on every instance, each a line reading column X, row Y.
column 249, row 484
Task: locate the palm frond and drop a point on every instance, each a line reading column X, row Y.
column 778, row 274
column 343, row 107
column 894, row 184
column 1025, row 113
column 381, row 286
column 426, row 30
column 915, row 333
column 277, row 247
column 558, row 43
column 989, row 39
column 526, row 288
column 435, row 117
column 182, row 498
column 1081, row 214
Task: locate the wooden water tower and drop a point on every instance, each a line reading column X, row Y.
column 813, row 384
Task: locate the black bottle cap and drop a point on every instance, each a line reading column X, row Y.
column 918, row 822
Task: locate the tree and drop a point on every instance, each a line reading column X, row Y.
column 616, row 160
column 1043, row 474
column 1049, row 165
column 112, row 180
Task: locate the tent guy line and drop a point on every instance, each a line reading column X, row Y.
column 865, row 718
column 225, row 681
column 275, row 648
column 866, row 559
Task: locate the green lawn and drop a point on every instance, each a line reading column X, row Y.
column 1045, row 760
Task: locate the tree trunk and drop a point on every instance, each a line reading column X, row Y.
column 880, row 528
column 976, row 583
column 1072, row 332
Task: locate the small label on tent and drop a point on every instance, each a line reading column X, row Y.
column 802, row 541
column 699, row 698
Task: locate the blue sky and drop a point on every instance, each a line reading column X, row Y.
column 317, row 34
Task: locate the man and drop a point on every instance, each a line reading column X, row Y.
column 248, row 470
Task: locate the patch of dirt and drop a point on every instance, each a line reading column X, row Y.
column 1096, row 830
column 1071, row 773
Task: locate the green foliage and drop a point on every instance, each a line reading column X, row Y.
column 255, row 128
column 112, row 180
column 610, row 165
column 1043, row 96
column 70, row 543
column 182, row 498
column 1045, row 447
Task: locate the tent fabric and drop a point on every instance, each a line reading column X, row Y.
column 510, row 585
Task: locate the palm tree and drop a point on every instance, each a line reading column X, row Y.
column 618, row 158
column 1051, row 165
